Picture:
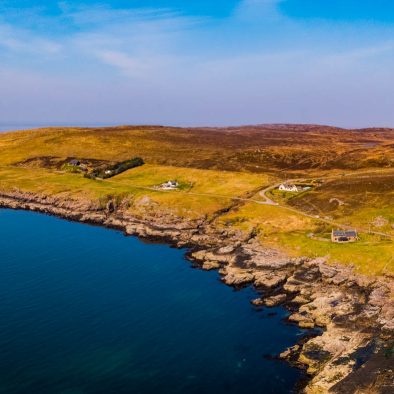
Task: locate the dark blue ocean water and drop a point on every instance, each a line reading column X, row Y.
column 85, row 310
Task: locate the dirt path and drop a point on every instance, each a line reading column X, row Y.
column 269, row 201
column 263, row 194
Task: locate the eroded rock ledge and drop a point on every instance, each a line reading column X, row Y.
column 355, row 313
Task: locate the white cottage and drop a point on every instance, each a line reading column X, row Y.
column 170, row 185
column 288, row 188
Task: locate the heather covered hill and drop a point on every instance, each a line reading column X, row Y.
column 266, row 148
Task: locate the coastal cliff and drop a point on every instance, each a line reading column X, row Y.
column 352, row 315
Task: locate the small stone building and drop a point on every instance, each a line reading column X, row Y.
column 343, row 236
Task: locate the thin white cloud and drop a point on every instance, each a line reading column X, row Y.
column 103, row 17
column 357, row 55
column 93, row 16
column 24, row 41
column 129, row 66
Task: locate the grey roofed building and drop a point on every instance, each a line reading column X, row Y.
column 344, row 236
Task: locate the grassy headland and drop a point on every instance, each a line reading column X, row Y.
column 221, row 173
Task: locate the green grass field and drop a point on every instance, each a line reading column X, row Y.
column 371, row 255
column 220, row 173
column 202, row 192
column 291, row 232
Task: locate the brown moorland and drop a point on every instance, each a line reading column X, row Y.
column 266, row 148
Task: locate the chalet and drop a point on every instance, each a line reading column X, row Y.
column 170, row 185
column 289, row 188
column 340, row 236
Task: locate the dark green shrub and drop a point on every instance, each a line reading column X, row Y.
column 116, row 169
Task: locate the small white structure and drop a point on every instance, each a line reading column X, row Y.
column 170, row 185
column 289, row 188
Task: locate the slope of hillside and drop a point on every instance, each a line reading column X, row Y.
column 227, row 207
column 222, row 172
column 254, row 149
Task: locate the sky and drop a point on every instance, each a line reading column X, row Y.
column 197, row 62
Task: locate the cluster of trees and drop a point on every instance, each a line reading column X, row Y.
column 115, row 169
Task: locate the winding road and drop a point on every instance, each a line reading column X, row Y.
column 269, row 201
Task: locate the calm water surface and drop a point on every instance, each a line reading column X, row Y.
column 27, row 126
column 19, row 126
column 85, row 310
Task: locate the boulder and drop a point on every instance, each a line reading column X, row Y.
column 257, row 302
column 236, row 277
column 275, row 300
column 210, row 265
column 269, row 279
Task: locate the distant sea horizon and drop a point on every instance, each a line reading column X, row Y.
column 14, row 126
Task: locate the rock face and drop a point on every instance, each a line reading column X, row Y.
column 275, row 300
column 210, row 265
column 354, row 313
column 234, row 276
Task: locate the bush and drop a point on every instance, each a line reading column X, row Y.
column 123, row 166
column 70, row 168
column 116, row 169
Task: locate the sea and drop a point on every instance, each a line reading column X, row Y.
column 27, row 126
column 87, row 310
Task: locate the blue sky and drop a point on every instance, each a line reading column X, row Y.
column 345, row 10
column 197, row 62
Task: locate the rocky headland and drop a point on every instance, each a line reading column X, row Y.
column 350, row 349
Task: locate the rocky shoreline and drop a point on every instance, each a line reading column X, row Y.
column 354, row 313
